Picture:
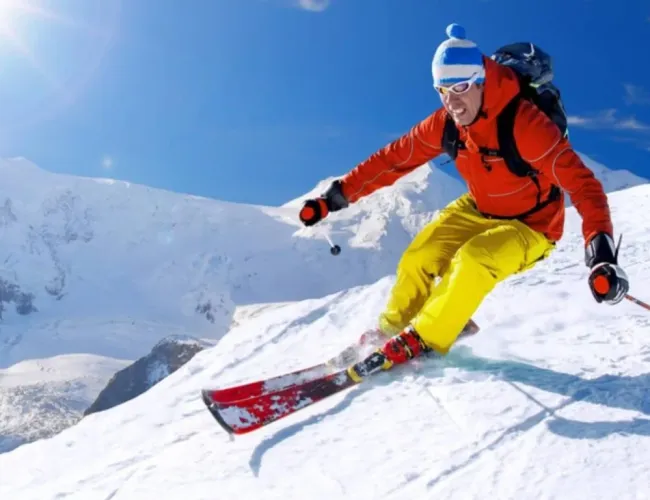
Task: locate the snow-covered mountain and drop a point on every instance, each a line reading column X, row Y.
column 549, row 400
column 41, row 397
column 106, row 268
column 97, row 249
column 118, row 256
column 612, row 180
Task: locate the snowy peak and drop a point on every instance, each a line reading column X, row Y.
column 433, row 184
column 392, row 215
column 612, row 180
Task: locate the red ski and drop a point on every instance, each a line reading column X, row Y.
column 284, row 381
column 277, row 383
column 245, row 408
column 273, row 384
column 246, row 415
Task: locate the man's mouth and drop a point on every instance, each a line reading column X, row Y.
column 458, row 112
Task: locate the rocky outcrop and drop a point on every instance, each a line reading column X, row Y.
column 165, row 358
column 10, row 293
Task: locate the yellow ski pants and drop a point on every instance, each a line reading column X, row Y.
column 471, row 254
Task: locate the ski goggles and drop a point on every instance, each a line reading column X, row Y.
column 458, row 88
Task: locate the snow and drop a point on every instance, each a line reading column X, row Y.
column 110, row 268
column 41, row 397
column 157, row 372
column 550, row 400
column 185, row 340
column 613, row 180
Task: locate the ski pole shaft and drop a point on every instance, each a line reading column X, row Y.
column 334, row 249
column 637, row 301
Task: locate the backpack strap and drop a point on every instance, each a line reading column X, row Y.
column 508, row 146
column 451, row 142
column 506, row 137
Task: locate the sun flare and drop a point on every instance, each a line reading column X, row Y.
column 9, row 11
column 15, row 17
column 9, row 6
column 12, row 9
column 32, row 31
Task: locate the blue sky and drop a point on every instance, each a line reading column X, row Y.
column 256, row 101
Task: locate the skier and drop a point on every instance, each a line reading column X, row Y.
column 504, row 224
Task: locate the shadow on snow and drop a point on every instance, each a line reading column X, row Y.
column 624, row 392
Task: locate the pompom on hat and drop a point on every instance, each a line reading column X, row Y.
column 457, row 59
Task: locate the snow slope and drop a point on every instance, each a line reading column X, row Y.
column 41, row 397
column 109, row 268
column 550, row 400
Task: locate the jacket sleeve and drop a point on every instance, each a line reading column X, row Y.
column 542, row 145
column 421, row 144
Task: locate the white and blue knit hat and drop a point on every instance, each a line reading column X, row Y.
column 457, row 59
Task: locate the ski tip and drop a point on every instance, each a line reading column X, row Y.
column 214, row 410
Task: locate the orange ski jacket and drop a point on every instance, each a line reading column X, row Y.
column 495, row 190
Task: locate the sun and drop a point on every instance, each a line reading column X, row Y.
column 8, row 6
column 14, row 15
column 12, row 9
column 9, row 10
column 29, row 25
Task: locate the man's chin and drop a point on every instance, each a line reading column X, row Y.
column 463, row 120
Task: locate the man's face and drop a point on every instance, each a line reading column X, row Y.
column 464, row 104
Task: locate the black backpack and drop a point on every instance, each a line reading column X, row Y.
column 534, row 70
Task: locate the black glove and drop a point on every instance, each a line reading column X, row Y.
column 316, row 209
column 607, row 280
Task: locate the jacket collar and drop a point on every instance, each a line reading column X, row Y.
column 500, row 87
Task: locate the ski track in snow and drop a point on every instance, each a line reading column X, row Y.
column 550, row 400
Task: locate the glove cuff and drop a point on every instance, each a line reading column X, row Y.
column 600, row 249
column 334, row 197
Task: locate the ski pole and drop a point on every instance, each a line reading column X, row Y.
column 334, row 249
column 637, row 301
column 627, row 295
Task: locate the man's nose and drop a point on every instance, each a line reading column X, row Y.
column 451, row 98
